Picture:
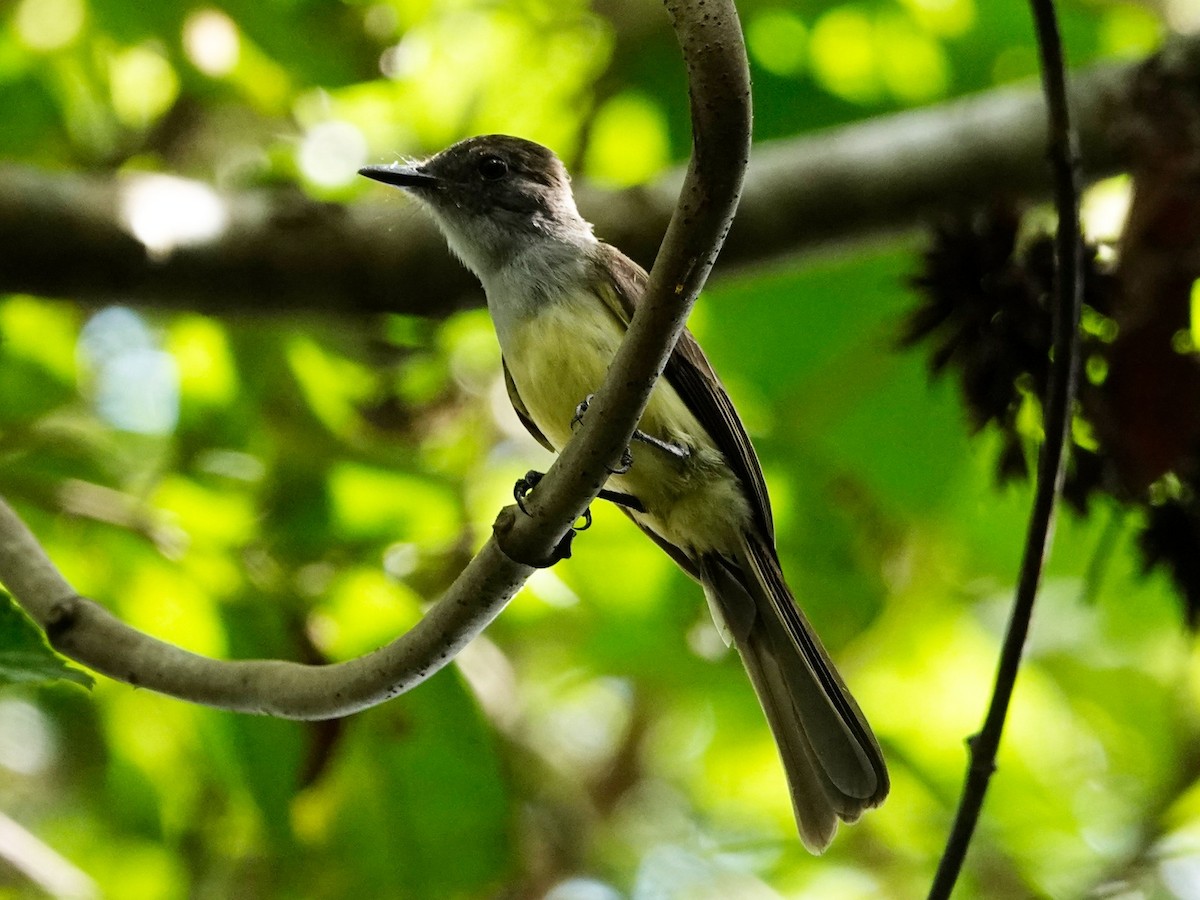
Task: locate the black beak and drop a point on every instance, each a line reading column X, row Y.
column 400, row 176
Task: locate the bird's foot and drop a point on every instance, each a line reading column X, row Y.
column 531, row 479
column 581, row 411
column 624, row 465
column 524, row 485
column 626, row 462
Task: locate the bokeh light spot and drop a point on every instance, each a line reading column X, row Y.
column 1106, row 207
column 27, row 743
column 139, row 392
column 143, row 85
column 843, row 55
column 1183, row 16
column 629, row 142
column 1130, row 31
column 332, row 153
column 134, row 384
column 583, row 889
column 164, row 212
column 381, row 21
column 913, row 64
column 211, row 42
column 407, row 58
column 949, row 18
column 777, row 39
column 49, row 24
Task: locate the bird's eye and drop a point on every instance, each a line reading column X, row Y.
column 493, row 168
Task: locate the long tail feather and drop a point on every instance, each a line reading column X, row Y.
column 835, row 768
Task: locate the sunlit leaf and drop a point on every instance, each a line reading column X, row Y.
column 25, row 657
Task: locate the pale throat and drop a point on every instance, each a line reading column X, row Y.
column 544, row 273
column 534, row 255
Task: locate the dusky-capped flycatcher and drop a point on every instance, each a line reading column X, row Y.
column 561, row 301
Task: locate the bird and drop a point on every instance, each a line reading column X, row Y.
column 561, row 301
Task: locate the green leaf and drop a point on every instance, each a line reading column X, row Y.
column 431, row 804
column 25, row 657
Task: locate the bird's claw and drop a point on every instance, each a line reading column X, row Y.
column 524, row 485
column 581, row 411
column 624, row 465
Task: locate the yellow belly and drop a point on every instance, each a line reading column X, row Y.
column 559, row 357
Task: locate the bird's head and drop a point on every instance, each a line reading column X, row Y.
column 494, row 197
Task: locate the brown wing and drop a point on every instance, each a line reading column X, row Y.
column 692, row 376
column 522, row 411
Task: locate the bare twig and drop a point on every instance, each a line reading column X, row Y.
column 65, row 235
column 41, row 864
column 1060, row 397
column 710, row 36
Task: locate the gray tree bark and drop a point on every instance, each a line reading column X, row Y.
column 64, row 235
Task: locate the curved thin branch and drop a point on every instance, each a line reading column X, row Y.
column 1060, row 398
column 719, row 80
column 66, row 235
column 710, row 37
column 89, row 634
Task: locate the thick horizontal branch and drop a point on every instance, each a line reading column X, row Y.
column 65, row 235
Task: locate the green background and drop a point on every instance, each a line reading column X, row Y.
column 301, row 486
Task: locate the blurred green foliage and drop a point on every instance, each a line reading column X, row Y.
column 302, row 487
